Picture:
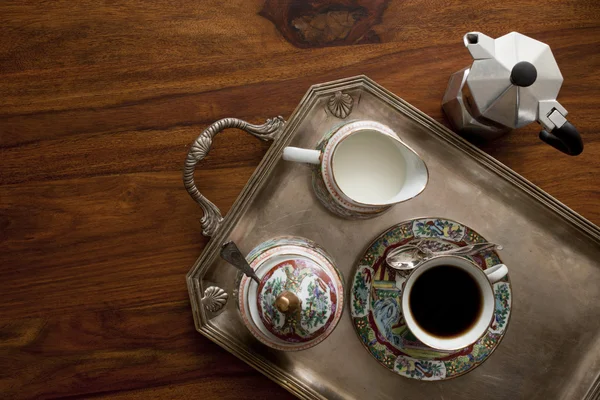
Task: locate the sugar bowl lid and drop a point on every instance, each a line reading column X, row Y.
column 300, row 298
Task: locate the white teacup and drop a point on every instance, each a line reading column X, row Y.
column 366, row 167
column 478, row 327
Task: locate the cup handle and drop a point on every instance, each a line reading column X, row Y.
column 297, row 154
column 495, row 273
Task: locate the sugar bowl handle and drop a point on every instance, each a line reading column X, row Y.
column 212, row 218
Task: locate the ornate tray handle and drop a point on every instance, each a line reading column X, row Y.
column 212, row 218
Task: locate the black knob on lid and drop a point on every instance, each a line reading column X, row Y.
column 523, row 74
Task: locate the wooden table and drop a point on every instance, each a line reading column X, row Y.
column 99, row 102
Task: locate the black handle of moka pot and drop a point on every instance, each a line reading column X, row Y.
column 566, row 139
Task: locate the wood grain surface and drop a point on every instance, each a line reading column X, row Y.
column 99, row 101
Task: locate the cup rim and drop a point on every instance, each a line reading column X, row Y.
column 363, row 125
column 405, row 299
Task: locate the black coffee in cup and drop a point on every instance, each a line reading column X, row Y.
column 446, row 301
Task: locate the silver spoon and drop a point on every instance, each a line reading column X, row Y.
column 233, row 255
column 410, row 256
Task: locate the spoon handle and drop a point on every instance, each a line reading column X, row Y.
column 233, row 255
column 465, row 250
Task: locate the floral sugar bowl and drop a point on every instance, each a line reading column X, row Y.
column 299, row 298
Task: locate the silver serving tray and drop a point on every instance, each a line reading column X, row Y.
column 552, row 347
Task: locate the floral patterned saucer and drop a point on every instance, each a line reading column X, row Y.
column 375, row 303
column 299, row 299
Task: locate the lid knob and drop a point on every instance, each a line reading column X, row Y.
column 523, row 74
column 287, row 302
